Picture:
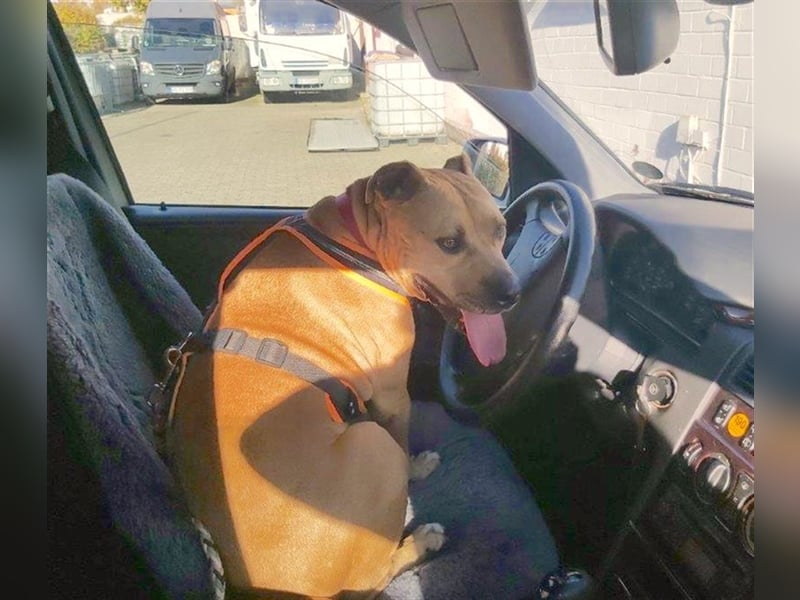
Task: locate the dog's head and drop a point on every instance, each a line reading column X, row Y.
column 441, row 238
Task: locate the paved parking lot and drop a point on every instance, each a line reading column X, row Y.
column 245, row 152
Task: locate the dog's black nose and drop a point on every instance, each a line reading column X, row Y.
column 508, row 298
column 505, row 290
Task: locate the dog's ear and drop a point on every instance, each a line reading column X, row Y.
column 396, row 181
column 460, row 163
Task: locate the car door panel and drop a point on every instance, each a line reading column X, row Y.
column 196, row 242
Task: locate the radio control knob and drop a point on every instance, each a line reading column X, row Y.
column 691, row 452
column 747, row 527
column 713, row 478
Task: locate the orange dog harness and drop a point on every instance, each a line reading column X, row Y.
column 342, row 403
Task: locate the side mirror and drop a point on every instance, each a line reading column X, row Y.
column 647, row 171
column 635, row 36
column 228, row 44
column 489, row 157
column 135, row 42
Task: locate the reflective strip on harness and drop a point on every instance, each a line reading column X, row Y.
column 352, row 263
column 274, row 353
column 364, row 266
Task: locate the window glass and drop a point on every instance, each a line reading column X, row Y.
column 689, row 120
column 300, row 101
column 165, row 33
column 303, row 17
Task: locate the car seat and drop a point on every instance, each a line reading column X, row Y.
column 117, row 520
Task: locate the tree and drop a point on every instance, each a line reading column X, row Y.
column 140, row 6
column 81, row 27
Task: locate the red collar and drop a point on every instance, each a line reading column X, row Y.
column 346, row 212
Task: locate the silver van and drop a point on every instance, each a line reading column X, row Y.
column 186, row 51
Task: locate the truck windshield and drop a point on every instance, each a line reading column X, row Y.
column 180, row 32
column 299, row 17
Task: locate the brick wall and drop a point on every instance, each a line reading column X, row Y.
column 633, row 115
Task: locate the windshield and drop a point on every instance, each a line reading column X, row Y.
column 299, row 17
column 690, row 117
column 180, row 32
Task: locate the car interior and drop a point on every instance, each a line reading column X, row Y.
column 611, row 455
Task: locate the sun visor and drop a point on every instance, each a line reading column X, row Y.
column 475, row 43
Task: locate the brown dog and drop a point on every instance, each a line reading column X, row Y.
column 296, row 501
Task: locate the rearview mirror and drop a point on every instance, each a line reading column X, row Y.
column 635, row 36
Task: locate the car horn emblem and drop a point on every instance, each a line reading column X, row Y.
column 543, row 244
column 179, row 70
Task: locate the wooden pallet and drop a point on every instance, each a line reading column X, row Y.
column 441, row 139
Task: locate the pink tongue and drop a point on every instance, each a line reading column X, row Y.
column 486, row 335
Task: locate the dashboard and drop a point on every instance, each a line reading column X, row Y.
column 688, row 262
column 644, row 273
column 675, row 276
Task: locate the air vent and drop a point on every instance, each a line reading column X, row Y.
column 744, row 376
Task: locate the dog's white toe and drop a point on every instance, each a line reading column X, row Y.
column 423, row 464
column 430, row 537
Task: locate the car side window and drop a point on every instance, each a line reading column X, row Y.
column 303, row 100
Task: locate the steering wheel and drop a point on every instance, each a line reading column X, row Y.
column 549, row 224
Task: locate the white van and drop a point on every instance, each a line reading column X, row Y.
column 303, row 46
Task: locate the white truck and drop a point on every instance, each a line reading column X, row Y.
column 247, row 15
column 304, row 46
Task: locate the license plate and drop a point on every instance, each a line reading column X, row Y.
column 181, row 89
column 307, row 80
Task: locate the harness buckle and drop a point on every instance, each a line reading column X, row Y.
column 272, row 352
column 159, row 399
column 229, row 340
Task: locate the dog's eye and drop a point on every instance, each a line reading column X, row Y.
column 451, row 245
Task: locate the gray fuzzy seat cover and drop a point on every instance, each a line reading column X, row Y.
column 96, row 264
column 112, row 307
column 498, row 545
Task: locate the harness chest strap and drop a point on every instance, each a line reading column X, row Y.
column 343, row 404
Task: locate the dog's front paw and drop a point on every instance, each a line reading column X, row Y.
column 429, row 537
column 416, row 546
column 423, row 464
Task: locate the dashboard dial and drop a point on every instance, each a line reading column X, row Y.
column 713, row 478
column 747, row 530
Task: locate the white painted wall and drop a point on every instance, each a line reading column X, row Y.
column 634, row 115
column 638, row 116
